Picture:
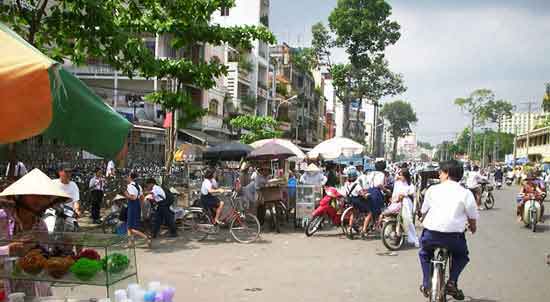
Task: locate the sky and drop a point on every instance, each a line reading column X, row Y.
column 447, row 50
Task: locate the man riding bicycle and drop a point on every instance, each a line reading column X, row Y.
column 446, row 210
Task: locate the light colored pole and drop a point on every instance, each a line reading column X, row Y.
column 528, row 129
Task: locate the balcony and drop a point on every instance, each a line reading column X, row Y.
column 95, row 70
column 209, row 122
column 263, row 93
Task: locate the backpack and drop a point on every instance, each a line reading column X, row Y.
column 170, row 199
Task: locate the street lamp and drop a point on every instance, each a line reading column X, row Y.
column 276, row 109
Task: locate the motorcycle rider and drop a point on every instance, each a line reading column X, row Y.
column 473, row 179
column 446, row 210
column 530, row 190
column 498, row 175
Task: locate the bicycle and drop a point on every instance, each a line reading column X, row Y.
column 358, row 221
column 243, row 227
column 440, row 262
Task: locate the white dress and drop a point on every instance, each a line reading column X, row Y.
column 401, row 187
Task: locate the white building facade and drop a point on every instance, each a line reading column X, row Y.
column 518, row 122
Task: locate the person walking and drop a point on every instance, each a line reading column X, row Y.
column 97, row 190
column 160, row 205
column 134, row 195
column 68, row 186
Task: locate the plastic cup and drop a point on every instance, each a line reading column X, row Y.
column 154, row 286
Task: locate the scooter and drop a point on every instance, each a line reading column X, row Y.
column 498, row 184
column 531, row 211
column 61, row 219
column 330, row 207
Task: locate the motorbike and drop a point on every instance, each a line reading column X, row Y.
column 498, row 184
column 509, row 181
column 531, row 211
column 487, row 197
column 330, row 208
column 61, row 219
column 393, row 231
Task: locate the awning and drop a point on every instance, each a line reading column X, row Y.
column 202, row 137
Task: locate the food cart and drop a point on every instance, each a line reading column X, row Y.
column 307, row 199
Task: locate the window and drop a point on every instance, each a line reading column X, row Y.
column 225, row 11
column 213, row 107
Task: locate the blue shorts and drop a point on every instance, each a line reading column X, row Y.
column 360, row 204
column 209, row 201
column 375, row 201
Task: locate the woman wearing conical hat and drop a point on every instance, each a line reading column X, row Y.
column 23, row 204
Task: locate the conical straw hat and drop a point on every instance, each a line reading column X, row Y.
column 118, row 197
column 35, row 183
column 312, row 168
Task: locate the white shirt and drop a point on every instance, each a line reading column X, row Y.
column 71, row 189
column 158, row 193
column 20, row 169
column 97, row 183
column 449, row 206
column 375, row 179
column 472, row 180
column 132, row 190
column 110, row 168
column 348, row 186
column 402, row 188
column 313, row 178
column 207, row 185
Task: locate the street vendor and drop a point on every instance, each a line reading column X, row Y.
column 250, row 192
column 23, row 203
column 313, row 176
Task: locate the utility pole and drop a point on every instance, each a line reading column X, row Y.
column 483, row 155
column 515, row 143
column 528, row 129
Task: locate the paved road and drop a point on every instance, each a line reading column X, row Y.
column 507, row 264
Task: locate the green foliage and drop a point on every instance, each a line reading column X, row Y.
column 546, row 99
column 244, row 63
column 303, row 59
column 505, row 142
column 476, row 105
column 174, row 102
column 364, row 30
column 282, row 89
column 425, row 145
column 400, row 115
column 259, row 127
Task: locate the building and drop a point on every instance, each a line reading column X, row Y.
column 300, row 100
column 539, row 145
column 247, row 80
column 518, row 122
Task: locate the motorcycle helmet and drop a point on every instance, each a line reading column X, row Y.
column 352, row 174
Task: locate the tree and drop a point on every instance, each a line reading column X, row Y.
column 364, row 30
column 496, row 111
column 475, row 105
column 400, row 115
column 114, row 32
column 425, row 145
column 259, row 127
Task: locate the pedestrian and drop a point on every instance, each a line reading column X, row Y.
column 110, row 169
column 313, row 176
column 24, row 203
column 97, row 190
column 19, row 169
column 332, row 178
column 134, row 194
column 68, row 186
column 160, row 205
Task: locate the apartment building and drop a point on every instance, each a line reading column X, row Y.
column 518, row 122
column 247, row 81
column 299, row 100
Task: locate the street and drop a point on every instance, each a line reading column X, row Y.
column 507, row 264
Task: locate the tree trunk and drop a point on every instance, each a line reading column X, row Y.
column 394, row 149
column 471, row 144
column 346, row 123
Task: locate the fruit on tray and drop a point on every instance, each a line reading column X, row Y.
column 32, row 263
column 85, row 269
column 115, row 263
column 89, row 253
column 57, row 267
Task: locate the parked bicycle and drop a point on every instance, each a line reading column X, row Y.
column 243, row 227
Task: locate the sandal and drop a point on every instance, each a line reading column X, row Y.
column 452, row 290
column 425, row 291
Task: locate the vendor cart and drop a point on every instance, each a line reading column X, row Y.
column 272, row 199
column 307, row 199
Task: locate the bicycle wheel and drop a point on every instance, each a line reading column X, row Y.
column 391, row 238
column 344, row 220
column 533, row 220
column 195, row 226
column 275, row 221
column 313, row 225
column 437, row 293
column 489, row 201
column 245, row 228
